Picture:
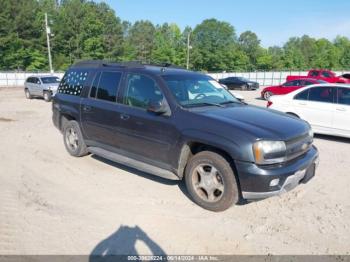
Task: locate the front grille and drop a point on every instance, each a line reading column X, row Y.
column 298, row 146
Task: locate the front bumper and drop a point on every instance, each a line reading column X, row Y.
column 255, row 181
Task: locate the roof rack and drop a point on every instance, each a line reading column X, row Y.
column 130, row 64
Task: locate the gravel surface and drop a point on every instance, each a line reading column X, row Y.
column 52, row 203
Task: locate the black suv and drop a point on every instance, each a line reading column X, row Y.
column 178, row 124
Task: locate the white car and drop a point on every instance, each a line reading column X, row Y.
column 325, row 106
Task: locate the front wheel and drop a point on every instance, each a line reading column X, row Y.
column 267, row 95
column 211, row 182
column 27, row 94
column 73, row 139
column 47, row 96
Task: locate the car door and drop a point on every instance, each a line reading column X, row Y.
column 146, row 134
column 316, row 105
column 341, row 120
column 35, row 87
column 290, row 86
column 100, row 113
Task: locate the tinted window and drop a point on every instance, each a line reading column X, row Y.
column 302, row 95
column 29, row 80
column 314, row 73
column 108, row 86
column 326, row 74
column 344, row 96
column 141, row 90
column 72, row 83
column 94, row 85
column 50, row 80
column 307, row 83
column 321, row 94
column 292, row 83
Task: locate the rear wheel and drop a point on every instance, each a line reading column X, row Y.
column 211, row 182
column 73, row 139
column 47, row 96
column 27, row 94
column 267, row 95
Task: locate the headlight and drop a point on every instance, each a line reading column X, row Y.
column 311, row 133
column 269, row 152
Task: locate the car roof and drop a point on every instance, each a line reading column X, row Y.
column 41, row 76
column 155, row 69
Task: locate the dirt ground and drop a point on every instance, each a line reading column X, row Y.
column 52, row 203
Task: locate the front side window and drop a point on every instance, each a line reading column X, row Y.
column 291, row 83
column 50, row 80
column 321, row 94
column 344, row 96
column 197, row 90
column 108, row 86
column 73, row 81
column 141, row 90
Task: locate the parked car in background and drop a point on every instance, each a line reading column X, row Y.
column 325, row 75
column 179, row 124
column 288, row 87
column 347, row 76
column 239, row 83
column 326, row 107
column 41, row 86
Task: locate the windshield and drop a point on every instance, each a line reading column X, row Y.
column 50, row 80
column 198, row 90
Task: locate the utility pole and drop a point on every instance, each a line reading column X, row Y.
column 48, row 32
column 188, row 49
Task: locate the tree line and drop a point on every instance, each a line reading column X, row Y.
column 84, row 29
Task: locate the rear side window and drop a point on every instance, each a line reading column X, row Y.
column 302, row 95
column 314, row 73
column 73, row 81
column 108, row 86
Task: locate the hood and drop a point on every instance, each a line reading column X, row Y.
column 52, row 85
column 259, row 122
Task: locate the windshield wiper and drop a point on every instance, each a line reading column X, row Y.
column 205, row 104
column 231, row 102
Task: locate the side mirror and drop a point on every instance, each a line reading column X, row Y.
column 157, row 107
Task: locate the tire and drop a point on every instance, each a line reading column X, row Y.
column 244, row 87
column 73, row 139
column 213, row 189
column 47, row 96
column 267, row 95
column 27, row 94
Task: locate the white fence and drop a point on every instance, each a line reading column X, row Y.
column 263, row 78
column 8, row 79
column 266, row 78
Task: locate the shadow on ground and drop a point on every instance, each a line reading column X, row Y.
column 123, row 242
column 333, row 138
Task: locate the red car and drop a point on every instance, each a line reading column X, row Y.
column 288, row 87
column 322, row 74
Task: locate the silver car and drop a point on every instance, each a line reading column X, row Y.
column 41, row 86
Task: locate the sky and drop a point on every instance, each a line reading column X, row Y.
column 274, row 21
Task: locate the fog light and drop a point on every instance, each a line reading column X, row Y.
column 274, row 182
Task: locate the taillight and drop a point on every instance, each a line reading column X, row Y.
column 269, row 103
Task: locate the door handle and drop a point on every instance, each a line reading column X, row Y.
column 341, row 109
column 302, row 103
column 124, row 117
column 87, row 108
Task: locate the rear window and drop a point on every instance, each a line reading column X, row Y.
column 73, row 81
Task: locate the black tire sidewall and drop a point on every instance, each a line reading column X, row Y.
column 27, row 94
column 81, row 149
column 49, row 96
column 230, row 195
